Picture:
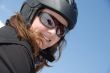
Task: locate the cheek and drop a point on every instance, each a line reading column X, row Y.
column 55, row 40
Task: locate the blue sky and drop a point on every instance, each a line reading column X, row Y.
column 88, row 45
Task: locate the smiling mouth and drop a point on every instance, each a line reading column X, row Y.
column 46, row 38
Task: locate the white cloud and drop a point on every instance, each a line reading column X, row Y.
column 1, row 24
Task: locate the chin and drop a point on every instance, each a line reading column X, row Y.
column 43, row 47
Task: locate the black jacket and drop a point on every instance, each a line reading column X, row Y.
column 15, row 55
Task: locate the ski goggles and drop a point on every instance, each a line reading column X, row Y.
column 51, row 22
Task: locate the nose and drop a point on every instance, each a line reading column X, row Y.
column 52, row 31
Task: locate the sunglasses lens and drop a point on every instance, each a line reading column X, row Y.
column 47, row 20
column 61, row 32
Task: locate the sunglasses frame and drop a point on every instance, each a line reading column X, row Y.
column 58, row 25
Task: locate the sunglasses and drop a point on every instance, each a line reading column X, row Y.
column 51, row 22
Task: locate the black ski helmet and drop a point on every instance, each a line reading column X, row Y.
column 66, row 8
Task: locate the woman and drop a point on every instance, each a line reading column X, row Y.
column 30, row 38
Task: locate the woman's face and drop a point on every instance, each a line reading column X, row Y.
column 49, row 34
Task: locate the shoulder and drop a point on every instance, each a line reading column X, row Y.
column 14, row 54
column 16, row 58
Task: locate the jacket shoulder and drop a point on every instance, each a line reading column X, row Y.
column 15, row 58
column 15, row 55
